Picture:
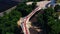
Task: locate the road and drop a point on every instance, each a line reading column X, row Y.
column 23, row 22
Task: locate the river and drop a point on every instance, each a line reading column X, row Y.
column 6, row 4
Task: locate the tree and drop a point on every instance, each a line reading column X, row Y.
column 25, row 9
column 49, row 21
column 58, row 1
column 57, row 8
column 8, row 23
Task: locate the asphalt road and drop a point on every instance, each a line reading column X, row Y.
column 25, row 20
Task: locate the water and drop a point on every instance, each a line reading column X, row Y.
column 6, row 4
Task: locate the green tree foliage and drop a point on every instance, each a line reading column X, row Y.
column 57, row 8
column 49, row 20
column 8, row 23
column 25, row 9
column 58, row 1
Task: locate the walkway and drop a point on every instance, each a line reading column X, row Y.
column 23, row 22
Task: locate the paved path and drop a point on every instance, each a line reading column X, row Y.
column 24, row 21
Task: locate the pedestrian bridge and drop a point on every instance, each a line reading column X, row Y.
column 23, row 22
